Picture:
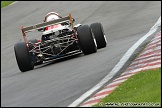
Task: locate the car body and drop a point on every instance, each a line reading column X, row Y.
column 63, row 39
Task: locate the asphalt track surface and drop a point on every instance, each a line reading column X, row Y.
column 59, row 83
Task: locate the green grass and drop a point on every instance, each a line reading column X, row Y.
column 141, row 87
column 5, row 3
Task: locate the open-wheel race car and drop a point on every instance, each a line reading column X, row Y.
column 62, row 40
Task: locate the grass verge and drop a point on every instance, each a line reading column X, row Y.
column 5, row 3
column 143, row 88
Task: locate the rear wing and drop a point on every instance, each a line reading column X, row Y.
column 45, row 24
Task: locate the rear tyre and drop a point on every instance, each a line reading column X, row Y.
column 99, row 35
column 86, row 40
column 23, row 57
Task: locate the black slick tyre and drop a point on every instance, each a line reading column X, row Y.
column 99, row 35
column 23, row 57
column 86, row 39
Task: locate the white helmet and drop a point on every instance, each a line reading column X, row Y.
column 51, row 16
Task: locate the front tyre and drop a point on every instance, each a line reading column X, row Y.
column 23, row 57
column 86, row 40
column 99, row 35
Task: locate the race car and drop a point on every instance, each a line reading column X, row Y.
column 63, row 39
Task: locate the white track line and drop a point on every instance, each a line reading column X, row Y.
column 117, row 67
column 12, row 3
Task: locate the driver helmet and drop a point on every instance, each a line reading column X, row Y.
column 51, row 16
